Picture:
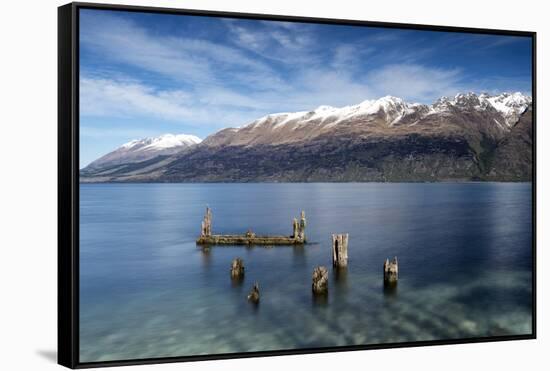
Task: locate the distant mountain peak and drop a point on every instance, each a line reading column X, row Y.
column 146, row 148
column 509, row 105
column 162, row 141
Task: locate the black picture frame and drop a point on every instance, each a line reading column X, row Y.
column 68, row 182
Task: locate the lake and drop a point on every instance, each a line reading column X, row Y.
column 147, row 290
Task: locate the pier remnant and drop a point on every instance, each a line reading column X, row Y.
column 206, row 237
column 206, row 225
column 340, row 250
column 302, row 227
column 320, row 281
column 299, row 228
column 254, row 295
column 237, row 268
column 391, row 271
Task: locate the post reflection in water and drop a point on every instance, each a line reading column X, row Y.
column 390, row 289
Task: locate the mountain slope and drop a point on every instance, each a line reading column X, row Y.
column 462, row 138
column 513, row 157
column 142, row 150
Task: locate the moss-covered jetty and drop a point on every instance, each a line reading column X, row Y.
column 206, row 237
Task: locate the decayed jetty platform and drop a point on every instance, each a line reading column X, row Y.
column 206, row 237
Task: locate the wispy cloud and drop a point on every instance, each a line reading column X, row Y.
column 289, row 43
column 125, row 99
column 416, row 82
column 191, row 61
column 119, row 40
column 121, row 134
column 348, row 57
column 479, row 43
column 102, row 97
column 252, row 69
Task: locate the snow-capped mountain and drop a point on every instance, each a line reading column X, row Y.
column 500, row 111
column 509, row 106
column 163, row 142
column 466, row 137
column 392, row 110
column 144, row 149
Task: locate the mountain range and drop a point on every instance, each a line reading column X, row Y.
column 467, row 137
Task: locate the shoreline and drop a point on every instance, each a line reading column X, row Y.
column 329, row 182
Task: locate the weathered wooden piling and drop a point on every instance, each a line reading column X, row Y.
column 302, row 227
column 299, row 228
column 237, row 268
column 391, row 271
column 320, row 281
column 254, row 295
column 340, row 250
column 206, row 225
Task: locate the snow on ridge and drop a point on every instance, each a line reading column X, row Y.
column 130, row 144
column 161, row 142
column 171, row 140
column 330, row 115
column 267, row 118
column 508, row 104
column 289, row 117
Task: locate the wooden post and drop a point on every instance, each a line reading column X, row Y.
column 237, row 268
column 254, row 295
column 340, row 250
column 391, row 271
column 302, row 226
column 320, row 281
column 209, row 222
column 206, row 225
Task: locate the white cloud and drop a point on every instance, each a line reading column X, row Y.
column 188, row 60
column 221, row 85
column 119, row 40
column 103, row 97
column 288, row 43
column 350, row 57
column 100, row 97
column 121, row 134
column 416, row 82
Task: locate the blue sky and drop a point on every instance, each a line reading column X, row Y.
column 144, row 74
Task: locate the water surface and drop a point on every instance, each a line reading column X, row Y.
column 146, row 289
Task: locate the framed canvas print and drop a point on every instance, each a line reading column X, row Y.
column 237, row 185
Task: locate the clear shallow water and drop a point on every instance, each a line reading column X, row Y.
column 146, row 289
